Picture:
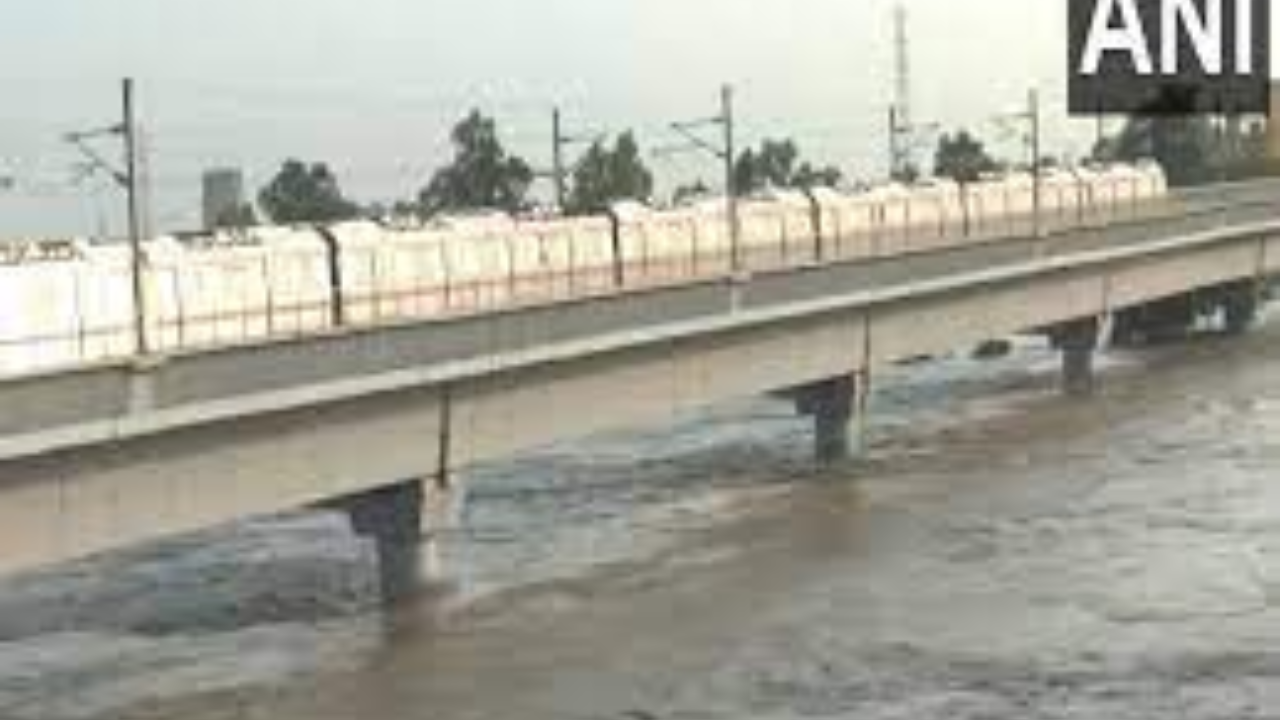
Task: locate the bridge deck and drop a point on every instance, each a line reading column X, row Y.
column 71, row 403
column 102, row 457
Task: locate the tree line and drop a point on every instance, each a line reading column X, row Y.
column 1193, row 150
column 483, row 174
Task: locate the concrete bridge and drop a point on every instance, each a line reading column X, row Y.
column 379, row 421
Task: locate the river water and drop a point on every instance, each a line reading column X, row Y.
column 1001, row 552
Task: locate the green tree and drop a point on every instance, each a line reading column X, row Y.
column 1182, row 146
column 404, row 209
column 305, row 193
column 777, row 164
column 241, row 216
column 481, row 175
column 809, row 176
column 962, row 158
column 1193, row 149
column 608, row 174
column 906, row 174
column 690, row 191
column 1179, row 143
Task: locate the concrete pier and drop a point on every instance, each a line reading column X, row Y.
column 834, row 406
column 1078, row 341
column 1240, row 305
column 392, row 517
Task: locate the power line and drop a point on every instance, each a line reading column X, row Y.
column 332, row 96
column 127, row 178
column 694, row 141
column 93, row 161
column 560, row 141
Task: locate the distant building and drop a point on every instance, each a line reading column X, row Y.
column 223, row 195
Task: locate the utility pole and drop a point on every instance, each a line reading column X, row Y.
column 1031, row 139
column 129, row 129
column 731, row 192
column 1037, row 179
column 725, row 151
column 557, row 157
column 559, row 142
column 127, row 179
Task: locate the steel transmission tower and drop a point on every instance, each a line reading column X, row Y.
column 902, row 65
column 901, row 117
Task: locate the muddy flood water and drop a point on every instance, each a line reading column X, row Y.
column 1002, row 552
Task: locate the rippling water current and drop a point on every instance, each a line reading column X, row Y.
column 1002, row 552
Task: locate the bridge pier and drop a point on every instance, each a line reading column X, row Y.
column 1240, row 305
column 404, row 521
column 1078, row 341
column 835, row 405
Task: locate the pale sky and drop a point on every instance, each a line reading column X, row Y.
column 372, row 87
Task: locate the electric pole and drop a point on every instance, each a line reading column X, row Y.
column 557, row 157
column 731, row 191
column 130, row 132
column 127, row 179
column 1037, row 192
column 559, row 142
column 725, row 151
